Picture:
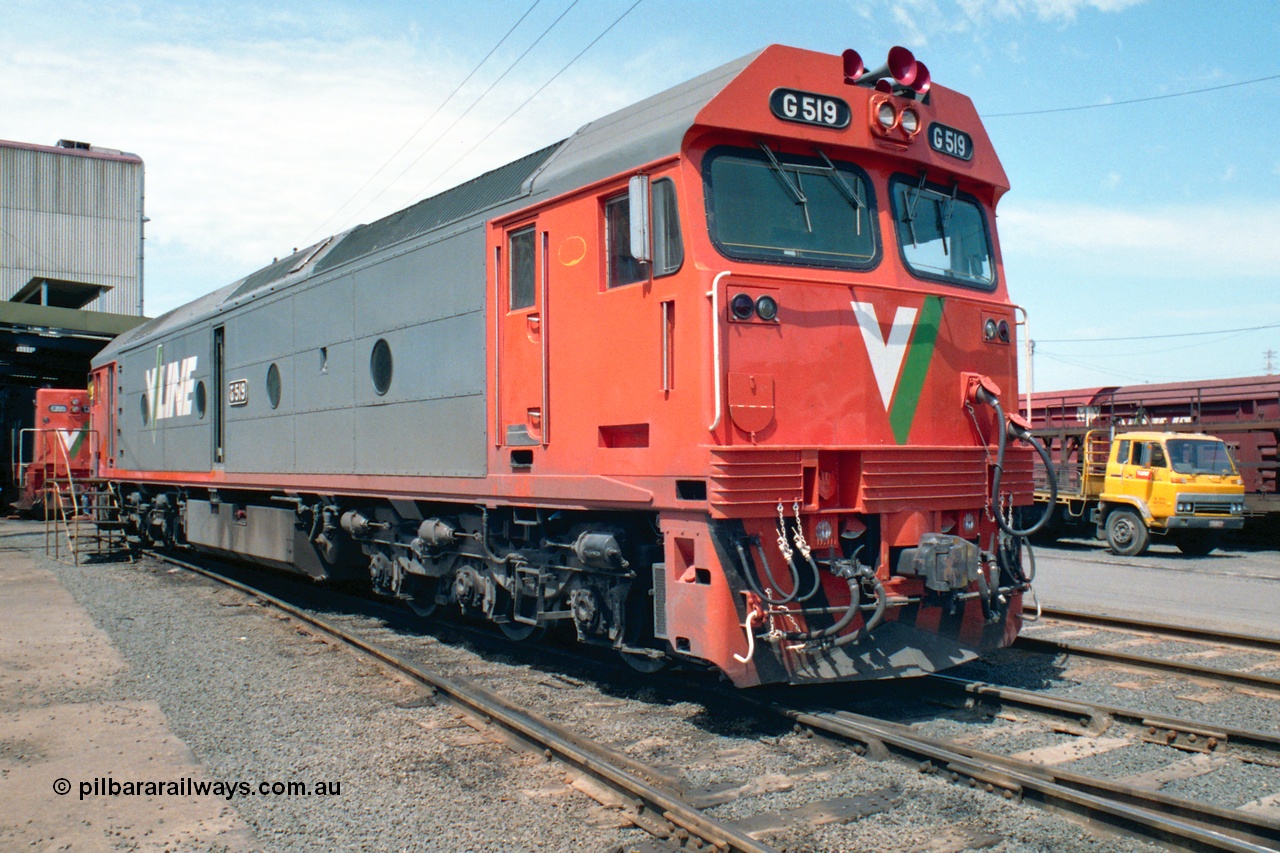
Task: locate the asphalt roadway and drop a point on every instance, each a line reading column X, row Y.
column 1233, row 589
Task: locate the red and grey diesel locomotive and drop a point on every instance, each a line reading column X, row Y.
column 716, row 379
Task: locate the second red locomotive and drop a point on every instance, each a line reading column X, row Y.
column 716, row 379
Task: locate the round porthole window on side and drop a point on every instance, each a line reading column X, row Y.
column 380, row 367
column 202, row 399
column 273, row 386
column 146, row 409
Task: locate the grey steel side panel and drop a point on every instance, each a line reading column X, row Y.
column 439, row 437
column 264, row 332
column 441, row 280
column 263, row 532
column 428, row 305
column 323, row 314
column 327, row 441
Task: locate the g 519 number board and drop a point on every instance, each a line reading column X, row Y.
column 809, row 108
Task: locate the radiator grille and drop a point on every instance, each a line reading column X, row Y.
column 660, row 600
column 906, row 478
column 751, row 482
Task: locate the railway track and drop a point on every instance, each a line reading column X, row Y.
column 660, row 804
column 1170, row 820
column 1266, row 650
column 657, row 807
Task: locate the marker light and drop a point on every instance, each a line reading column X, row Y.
column 886, row 116
column 767, row 308
column 742, row 307
column 969, row 523
column 989, row 330
column 910, row 121
column 822, row 532
column 1004, row 331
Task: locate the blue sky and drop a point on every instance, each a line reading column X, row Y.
column 263, row 127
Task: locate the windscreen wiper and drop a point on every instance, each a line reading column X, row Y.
column 796, row 192
column 913, row 196
column 838, row 179
column 945, row 218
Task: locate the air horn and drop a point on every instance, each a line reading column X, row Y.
column 911, row 76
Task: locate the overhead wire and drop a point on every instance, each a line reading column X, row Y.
column 1108, row 371
column 526, row 101
column 320, row 229
column 1128, row 338
column 465, row 112
column 1134, row 100
column 1211, row 342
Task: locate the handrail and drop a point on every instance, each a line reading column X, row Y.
column 714, row 293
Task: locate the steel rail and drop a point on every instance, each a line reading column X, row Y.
column 1263, row 682
column 1169, row 819
column 1188, row 632
column 615, row 770
column 1082, row 708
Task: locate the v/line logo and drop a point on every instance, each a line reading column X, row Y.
column 72, row 440
column 900, row 361
column 170, row 386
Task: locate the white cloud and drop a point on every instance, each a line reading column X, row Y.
column 1045, row 10
column 1183, row 241
column 250, row 146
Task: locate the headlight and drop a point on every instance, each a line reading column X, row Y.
column 886, row 116
column 742, row 306
column 910, row 121
column 767, row 308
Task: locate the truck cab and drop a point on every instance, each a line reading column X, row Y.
column 1182, row 485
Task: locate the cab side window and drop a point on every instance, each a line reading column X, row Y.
column 522, row 265
column 1122, row 453
column 668, row 247
column 623, row 268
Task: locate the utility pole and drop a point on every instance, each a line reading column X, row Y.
column 1270, row 355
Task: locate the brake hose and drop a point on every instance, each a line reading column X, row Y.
column 1020, row 432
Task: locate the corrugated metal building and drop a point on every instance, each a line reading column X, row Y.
column 71, row 219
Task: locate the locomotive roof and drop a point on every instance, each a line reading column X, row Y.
column 641, row 133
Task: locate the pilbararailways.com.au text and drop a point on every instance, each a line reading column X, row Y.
column 107, row 786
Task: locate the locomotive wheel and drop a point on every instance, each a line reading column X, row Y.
column 1197, row 543
column 522, row 633
column 1127, row 536
column 422, row 598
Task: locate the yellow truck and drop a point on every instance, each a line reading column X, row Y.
column 1129, row 486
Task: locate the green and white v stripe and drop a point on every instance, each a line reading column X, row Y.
column 900, row 362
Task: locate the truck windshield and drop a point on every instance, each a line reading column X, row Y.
column 1200, row 456
column 765, row 205
column 942, row 233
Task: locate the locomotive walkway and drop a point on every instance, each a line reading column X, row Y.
column 64, row 723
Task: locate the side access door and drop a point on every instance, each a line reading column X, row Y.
column 521, row 375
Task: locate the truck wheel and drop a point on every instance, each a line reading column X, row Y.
column 1197, row 543
column 1126, row 534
